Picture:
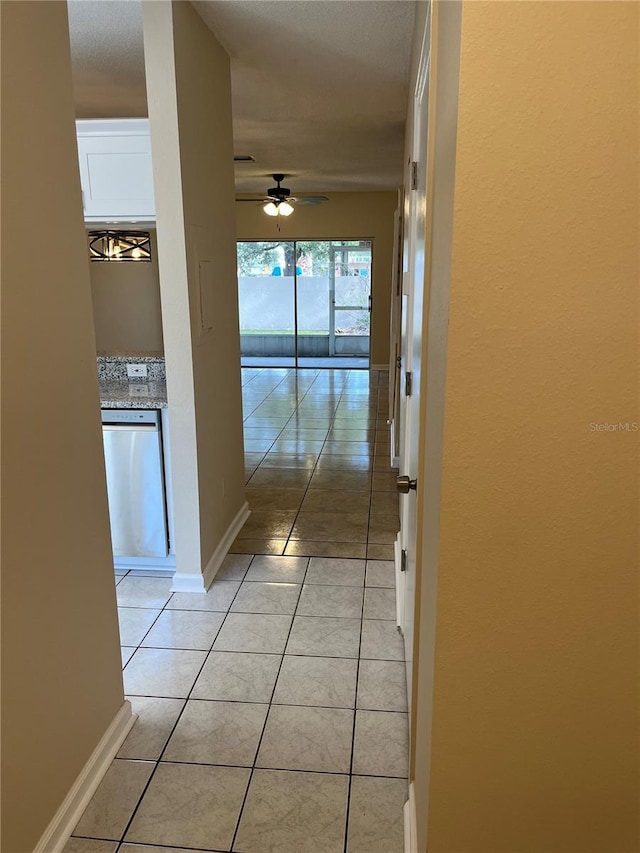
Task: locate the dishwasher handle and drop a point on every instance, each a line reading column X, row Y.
column 130, row 427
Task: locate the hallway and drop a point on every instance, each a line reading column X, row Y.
column 272, row 711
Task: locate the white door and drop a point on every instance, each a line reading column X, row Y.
column 412, row 322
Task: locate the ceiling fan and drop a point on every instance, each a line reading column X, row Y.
column 279, row 201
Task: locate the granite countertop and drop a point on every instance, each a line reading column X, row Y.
column 124, row 394
column 118, row 391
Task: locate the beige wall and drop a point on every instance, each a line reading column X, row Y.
column 189, row 93
column 61, row 679
column 344, row 216
column 126, row 305
column 534, row 743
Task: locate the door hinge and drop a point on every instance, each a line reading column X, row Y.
column 403, row 560
column 414, row 175
column 398, row 361
column 408, row 384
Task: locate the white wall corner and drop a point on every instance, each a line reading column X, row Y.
column 56, row 835
column 410, row 832
column 211, row 569
column 192, row 582
column 183, row 582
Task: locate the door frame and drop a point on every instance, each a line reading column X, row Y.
column 446, row 27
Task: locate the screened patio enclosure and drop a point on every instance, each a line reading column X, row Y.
column 305, row 303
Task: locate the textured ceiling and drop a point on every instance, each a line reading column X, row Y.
column 319, row 86
column 107, row 56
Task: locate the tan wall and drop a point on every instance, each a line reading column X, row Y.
column 344, row 216
column 189, row 93
column 61, row 679
column 534, row 744
column 126, row 305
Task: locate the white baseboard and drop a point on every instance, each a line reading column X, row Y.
column 201, row 582
column 143, row 564
column 188, row 583
column 57, row 833
column 379, row 367
column 410, row 829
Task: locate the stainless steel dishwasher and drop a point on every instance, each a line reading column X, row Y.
column 135, row 482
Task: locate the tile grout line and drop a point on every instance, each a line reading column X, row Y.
column 266, row 719
column 355, row 717
column 141, row 846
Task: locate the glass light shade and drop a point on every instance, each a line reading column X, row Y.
column 270, row 209
column 285, row 209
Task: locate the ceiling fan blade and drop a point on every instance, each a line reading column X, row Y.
column 301, row 199
column 311, row 199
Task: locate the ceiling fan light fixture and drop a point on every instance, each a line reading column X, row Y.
column 278, row 200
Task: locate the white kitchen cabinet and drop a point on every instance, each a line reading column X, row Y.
column 115, row 170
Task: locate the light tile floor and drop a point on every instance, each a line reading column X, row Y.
column 272, row 711
column 319, row 481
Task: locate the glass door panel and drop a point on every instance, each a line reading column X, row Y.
column 314, row 299
column 351, row 266
column 266, row 301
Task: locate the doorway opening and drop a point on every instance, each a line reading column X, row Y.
column 305, row 303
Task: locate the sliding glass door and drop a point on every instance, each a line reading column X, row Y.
column 266, row 299
column 305, row 303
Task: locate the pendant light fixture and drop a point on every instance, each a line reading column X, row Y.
column 121, row 246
